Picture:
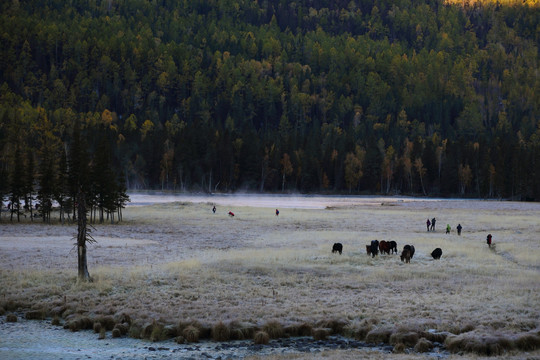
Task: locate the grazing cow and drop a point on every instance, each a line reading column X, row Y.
column 410, row 248
column 437, row 253
column 406, row 255
column 384, row 247
column 368, row 249
column 338, row 247
column 393, row 246
column 374, row 247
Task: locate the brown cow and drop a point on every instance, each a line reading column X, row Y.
column 406, row 256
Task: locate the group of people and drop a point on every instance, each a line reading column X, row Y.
column 431, row 226
column 231, row 214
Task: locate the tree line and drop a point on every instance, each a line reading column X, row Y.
column 407, row 97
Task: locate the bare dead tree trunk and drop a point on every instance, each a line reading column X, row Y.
column 82, row 238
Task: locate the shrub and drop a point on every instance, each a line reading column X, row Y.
column 55, row 321
column 261, row 338
column 116, row 333
column 221, row 332
column 11, row 318
column 2, row 311
column 102, row 333
column 274, row 329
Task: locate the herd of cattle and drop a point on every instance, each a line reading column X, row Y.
column 385, row 247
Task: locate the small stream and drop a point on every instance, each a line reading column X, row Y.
column 40, row 340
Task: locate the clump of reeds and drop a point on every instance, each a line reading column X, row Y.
column 379, row 335
column 77, row 323
column 488, row 345
column 97, row 327
column 102, row 333
column 157, row 332
column 191, row 334
column 335, row 325
column 399, row 348
column 423, row 345
column 11, row 318
column 106, row 322
column 261, row 338
column 528, row 341
column 274, row 329
column 221, row 332
column 55, row 320
column 407, row 338
column 35, row 315
column 294, row 330
column 321, row 333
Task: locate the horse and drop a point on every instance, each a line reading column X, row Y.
column 374, row 247
column 406, row 256
column 393, row 246
column 437, row 253
column 384, row 247
column 338, row 247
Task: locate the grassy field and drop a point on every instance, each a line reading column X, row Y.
column 171, row 268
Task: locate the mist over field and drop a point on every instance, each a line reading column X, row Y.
column 173, row 261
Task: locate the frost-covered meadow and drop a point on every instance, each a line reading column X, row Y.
column 177, row 262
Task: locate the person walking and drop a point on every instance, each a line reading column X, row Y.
column 277, row 212
column 448, row 228
column 214, row 209
column 433, row 224
column 459, row 229
column 488, row 240
column 428, row 223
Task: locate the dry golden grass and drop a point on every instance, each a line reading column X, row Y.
column 178, row 263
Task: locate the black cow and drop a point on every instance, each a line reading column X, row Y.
column 338, row 247
column 374, row 247
column 393, row 246
column 437, row 253
column 410, row 248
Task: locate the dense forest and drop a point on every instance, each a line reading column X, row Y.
column 419, row 97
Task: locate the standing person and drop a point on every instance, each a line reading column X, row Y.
column 488, row 240
column 427, row 224
column 433, row 224
column 459, row 229
column 214, row 209
column 448, row 228
column 277, row 212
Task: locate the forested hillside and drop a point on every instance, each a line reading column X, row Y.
column 390, row 97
